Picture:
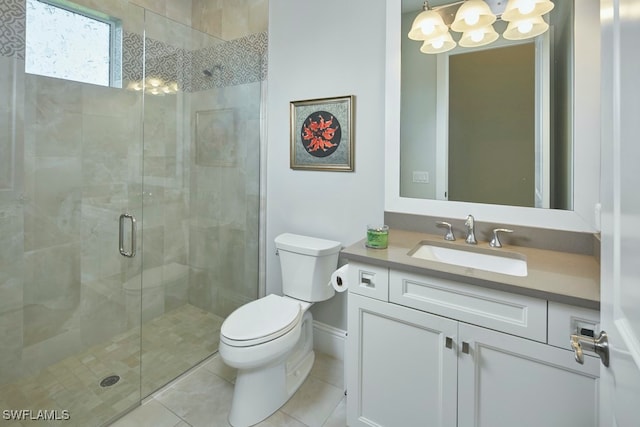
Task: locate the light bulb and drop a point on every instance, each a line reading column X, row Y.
column 525, row 26
column 472, row 17
column 427, row 27
column 154, row 82
column 476, row 35
column 438, row 43
column 526, row 6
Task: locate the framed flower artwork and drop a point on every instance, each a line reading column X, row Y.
column 322, row 134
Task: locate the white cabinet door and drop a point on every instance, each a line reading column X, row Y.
column 509, row 381
column 400, row 371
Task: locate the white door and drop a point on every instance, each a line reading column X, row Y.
column 620, row 281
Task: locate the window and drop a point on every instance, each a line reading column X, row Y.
column 71, row 42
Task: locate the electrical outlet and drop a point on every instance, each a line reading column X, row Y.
column 420, row 177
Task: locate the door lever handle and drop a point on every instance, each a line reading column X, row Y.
column 132, row 252
column 599, row 345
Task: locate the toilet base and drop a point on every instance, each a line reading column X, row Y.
column 258, row 393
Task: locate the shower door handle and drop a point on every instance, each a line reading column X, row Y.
column 132, row 252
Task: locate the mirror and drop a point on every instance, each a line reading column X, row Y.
column 583, row 105
column 475, row 122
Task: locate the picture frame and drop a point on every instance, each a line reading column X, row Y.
column 322, row 136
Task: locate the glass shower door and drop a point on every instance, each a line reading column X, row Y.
column 201, row 191
column 71, row 156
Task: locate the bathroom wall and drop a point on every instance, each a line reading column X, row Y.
column 316, row 50
column 224, row 19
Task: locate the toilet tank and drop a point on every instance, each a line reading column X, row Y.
column 307, row 264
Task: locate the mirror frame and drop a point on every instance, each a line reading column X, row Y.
column 586, row 130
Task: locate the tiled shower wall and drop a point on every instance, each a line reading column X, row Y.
column 79, row 164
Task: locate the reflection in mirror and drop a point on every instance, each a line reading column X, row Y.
column 72, row 42
column 492, row 124
column 495, row 163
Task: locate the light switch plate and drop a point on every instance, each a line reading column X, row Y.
column 420, row 177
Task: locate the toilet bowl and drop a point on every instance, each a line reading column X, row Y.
column 270, row 340
column 272, row 360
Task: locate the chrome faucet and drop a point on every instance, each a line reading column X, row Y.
column 449, row 234
column 470, row 224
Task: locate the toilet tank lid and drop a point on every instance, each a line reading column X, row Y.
column 306, row 245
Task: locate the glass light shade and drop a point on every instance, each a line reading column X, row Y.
column 427, row 24
column 481, row 37
column 525, row 28
column 524, row 9
column 473, row 15
column 439, row 44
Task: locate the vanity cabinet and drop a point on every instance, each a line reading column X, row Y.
column 424, row 351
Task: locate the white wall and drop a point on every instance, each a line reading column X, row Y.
column 317, row 50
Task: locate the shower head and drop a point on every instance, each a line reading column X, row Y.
column 209, row 73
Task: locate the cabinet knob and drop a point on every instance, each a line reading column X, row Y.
column 465, row 347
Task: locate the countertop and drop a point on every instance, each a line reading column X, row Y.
column 556, row 276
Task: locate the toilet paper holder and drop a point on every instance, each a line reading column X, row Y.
column 339, row 279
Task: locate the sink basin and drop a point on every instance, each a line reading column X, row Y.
column 510, row 263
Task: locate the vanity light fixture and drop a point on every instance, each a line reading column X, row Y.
column 473, row 15
column 525, row 28
column 427, row 25
column 479, row 37
column 474, row 19
column 440, row 44
column 525, row 9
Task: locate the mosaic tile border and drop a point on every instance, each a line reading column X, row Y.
column 12, row 28
column 232, row 63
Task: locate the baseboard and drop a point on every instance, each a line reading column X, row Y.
column 329, row 340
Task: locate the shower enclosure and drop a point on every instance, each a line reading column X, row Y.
column 129, row 202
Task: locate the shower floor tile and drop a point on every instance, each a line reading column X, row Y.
column 172, row 343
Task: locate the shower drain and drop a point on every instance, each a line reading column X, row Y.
column 109, row 381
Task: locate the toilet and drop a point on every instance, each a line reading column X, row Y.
column 270, row 340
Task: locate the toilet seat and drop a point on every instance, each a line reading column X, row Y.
column 259, row 321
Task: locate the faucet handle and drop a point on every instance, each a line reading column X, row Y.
column 495, row 241
column 449, row 234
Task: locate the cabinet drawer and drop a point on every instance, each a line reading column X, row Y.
column 514, row 314
column 565, row 320
column 368, row 280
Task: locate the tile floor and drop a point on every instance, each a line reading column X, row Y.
column 170, row 345
column 202, row 398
